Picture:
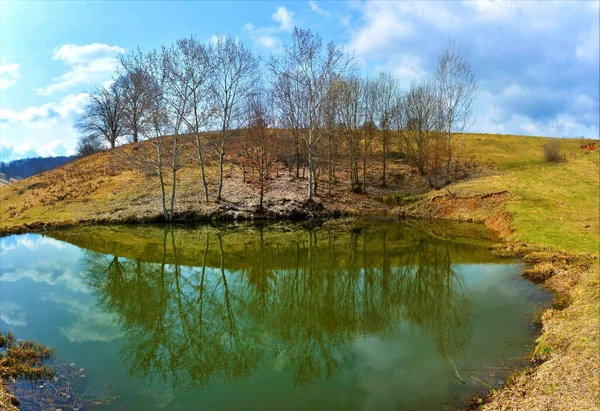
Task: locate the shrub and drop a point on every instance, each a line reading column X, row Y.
column 552, row 151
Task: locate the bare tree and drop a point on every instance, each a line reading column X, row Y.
column 195, row 70
column 387, row 92
column 368, row 127
column 165, row 152
column 350, row 113
column 261, row 143
column 133, row 83
column 235, row 72
column 285, row 92
column 421, row 116
column 311, row 68
column 88, row 145
column 399, row 121
column 456, row 87
column 102, row 117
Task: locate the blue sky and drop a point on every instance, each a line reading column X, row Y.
column 537, row 62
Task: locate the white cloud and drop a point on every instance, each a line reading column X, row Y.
column 408, row 68
column 51, row 274
column 587, row 49
column 46, row 115
column 12, row 314
column 315, row 7
column 9, row 74
column 536, row 78
column 284, row 17
column 383, row 27
column 89, row 322
column 89, row 64
column 492, row 10
column 266, row 37
column 47, row 129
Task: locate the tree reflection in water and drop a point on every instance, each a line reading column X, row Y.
column 298, row 303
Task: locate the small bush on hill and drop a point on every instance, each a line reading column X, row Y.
column 552, row 152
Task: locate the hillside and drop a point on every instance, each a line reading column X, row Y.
column 104, row 187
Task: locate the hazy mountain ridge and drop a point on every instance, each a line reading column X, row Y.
column 27, row 167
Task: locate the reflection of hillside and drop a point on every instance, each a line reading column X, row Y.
column 141, row 242
column 199, row 325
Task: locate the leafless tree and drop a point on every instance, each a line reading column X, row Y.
column 103, row 116
column 235, row 72
column 261, row 143
column 133, row 83
column 369, row 127
column 88, row 145
column 195, row 71
column 165, row 153
column 387, row 92
column 350, row 115
column 311, row 68
column 421, row 116
column 285, row 92
column 399, row 121
column 456, row 87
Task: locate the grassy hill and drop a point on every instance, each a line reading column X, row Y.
column 556, row 204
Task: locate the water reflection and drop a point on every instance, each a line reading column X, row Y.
column 216, row 304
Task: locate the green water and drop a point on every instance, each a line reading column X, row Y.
column 371, row 316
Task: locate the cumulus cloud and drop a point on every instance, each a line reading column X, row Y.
column 266, row 37
column 284, row 17
column 52, row 121
column 88, row 64
column 9, row 74
column 541, row 77
column 51, row 274
column 12, row 314
column 44, row 116
column 89, row 322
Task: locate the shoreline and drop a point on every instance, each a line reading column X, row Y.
column 560, row 272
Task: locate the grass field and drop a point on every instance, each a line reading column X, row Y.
column 552, row 205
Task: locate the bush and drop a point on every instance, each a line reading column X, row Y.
column 88, row 145
column 552, row 151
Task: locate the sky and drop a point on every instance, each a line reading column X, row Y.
column 536, row 62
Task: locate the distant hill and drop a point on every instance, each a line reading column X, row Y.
column 18, row 169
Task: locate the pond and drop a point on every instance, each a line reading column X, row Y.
column 339, row 315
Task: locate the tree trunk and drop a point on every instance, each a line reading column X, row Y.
column 262, row 191
column 310, row 172
column 221, row 157
column 365, row 164
column 384, row 142
column 298, row 159
column 202, row 173
column 174, row 176
column 162, row 182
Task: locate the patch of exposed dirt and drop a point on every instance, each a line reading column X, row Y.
column 484, row 208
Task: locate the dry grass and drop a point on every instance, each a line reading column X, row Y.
column 20, row 359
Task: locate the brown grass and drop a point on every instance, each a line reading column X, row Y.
column 20, row 359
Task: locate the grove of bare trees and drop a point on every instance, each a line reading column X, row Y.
column 306, row 109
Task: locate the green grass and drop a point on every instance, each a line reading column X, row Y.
column 552, row 205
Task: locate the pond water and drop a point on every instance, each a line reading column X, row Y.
column 352, row 316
